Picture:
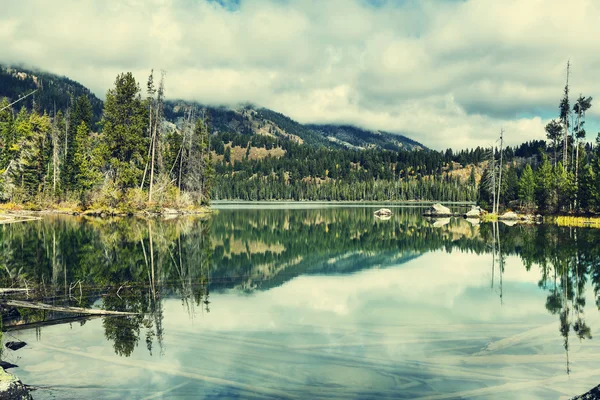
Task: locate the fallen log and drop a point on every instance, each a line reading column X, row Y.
column 13, row 290
column 11, row 218
column 59, row 321
column 75, row 310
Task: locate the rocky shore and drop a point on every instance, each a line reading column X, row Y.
column 11, row 388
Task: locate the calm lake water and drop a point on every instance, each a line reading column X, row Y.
column 306, row 301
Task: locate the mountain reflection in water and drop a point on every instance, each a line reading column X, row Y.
column 309, row 302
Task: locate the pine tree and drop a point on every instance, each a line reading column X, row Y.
column 587, row 193
column 81, row 113
column 527, row 188
column 125, row 123
column 564, row 187
column 545, row 192
column 554, row 133
column 89, row 160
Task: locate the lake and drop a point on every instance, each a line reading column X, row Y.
column 304, row 301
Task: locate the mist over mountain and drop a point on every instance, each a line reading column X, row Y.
column 57, row 92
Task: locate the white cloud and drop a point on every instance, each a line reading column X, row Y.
column 446, row 73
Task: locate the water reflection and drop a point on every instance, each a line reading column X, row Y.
column 342, row 281
column 125, row 265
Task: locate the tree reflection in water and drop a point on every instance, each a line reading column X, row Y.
column 133, row 264
column 568, row 258
column 125, row 264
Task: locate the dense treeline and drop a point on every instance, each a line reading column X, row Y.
column 323, row 173
column 131, row 157
column 276, row 187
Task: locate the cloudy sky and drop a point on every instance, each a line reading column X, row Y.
column 446, row 73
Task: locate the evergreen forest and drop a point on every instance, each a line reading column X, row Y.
column 63, row 147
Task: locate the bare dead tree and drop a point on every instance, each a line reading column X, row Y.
column 18, row 100
column 151, row 91
column 500, row 171
column 55, row 147
column 155, row 134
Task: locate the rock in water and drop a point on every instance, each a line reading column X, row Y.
column 11, row 388
column 383, row 212
column 15, row 345
column 438, row 210
column 510, row 215
column 473, row 212
column 7, row 365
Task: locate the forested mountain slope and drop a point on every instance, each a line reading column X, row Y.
column 54, row 92
column 251, row 120
column 358, row 138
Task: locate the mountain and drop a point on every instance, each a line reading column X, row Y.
column 57, row 91
column 53, row 91
column 251, row 120
column 358, row 138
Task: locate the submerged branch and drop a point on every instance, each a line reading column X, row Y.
column 77, row 310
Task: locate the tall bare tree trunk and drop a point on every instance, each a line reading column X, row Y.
column 500, row 172
column 157, row 120
column 153, row 146
column 493, row 161
column 54, row 153
column 566, row 125
column 577, row 160
column 149, row 147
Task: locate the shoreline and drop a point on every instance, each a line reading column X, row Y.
column 8, row 211
column 105, row 212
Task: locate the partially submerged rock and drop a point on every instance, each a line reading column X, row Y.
column 509, row 216
column 15, row 345
column 6, row 365
column 438, row 210
column 383, row 212
column 593, row 394
column 11, row 388
column 474, row 212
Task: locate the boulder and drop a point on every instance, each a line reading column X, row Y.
column 509, row 215
column 11, row 388
column 438, row 210
column 15, row 345
column 383, row 212
column 474, row 212
column 7, row 365
column 593, row 394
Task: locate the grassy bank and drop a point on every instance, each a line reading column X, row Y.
column 582, row 222
column 101, row 209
